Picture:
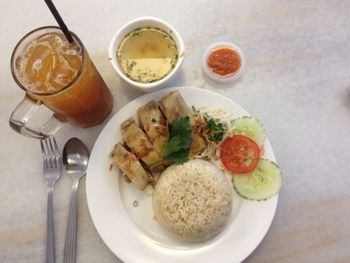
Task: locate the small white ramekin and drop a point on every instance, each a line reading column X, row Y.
column 211, row 74
column 146, row 21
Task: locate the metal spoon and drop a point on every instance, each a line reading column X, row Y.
column 75, row 160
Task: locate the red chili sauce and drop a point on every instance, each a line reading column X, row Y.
column 224, row 61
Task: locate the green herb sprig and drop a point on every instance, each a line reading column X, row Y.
column 216, row 129
column 179, row 143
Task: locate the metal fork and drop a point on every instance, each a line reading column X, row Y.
column 52, row 171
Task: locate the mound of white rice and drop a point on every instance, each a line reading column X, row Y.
column 193, row 200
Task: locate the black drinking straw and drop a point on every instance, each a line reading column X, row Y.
column 59, row 21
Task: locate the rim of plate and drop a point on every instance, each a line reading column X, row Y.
column 136, row 236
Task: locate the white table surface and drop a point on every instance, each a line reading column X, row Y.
column 297, row 82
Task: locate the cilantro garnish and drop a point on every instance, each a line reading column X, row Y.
column 216, row 129
column 179, row 142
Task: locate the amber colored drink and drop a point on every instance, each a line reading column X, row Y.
column 62, row 76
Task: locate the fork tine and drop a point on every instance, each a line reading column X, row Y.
column 56, row 152
column 43, row 152
column 56, row 147
column 52, row 154
column 48, row 152
column 42, row 148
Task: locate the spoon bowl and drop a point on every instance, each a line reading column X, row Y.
column 75, row 158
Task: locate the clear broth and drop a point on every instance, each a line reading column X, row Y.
column 147, row 54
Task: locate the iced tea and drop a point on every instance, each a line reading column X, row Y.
column 62, row 76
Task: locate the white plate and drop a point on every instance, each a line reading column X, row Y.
column 132, row 234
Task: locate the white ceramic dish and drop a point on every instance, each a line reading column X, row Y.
column 215, row 77
column 146, row 21
column 133, row 235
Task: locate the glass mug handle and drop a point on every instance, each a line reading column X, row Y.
column 22, row 114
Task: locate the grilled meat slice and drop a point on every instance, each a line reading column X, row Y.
column 174, row 106
column 138, row 142
column 131, row 167
column 154, row 124
column 198, row 145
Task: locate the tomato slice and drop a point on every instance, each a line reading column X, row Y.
column 239, row 154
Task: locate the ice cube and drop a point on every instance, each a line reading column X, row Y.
column 37, row 65
column 71, row 49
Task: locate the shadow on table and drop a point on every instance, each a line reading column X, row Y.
column 217, row 85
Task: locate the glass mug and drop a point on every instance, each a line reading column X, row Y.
column 61, row 76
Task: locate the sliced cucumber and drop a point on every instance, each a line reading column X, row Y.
column 250, row 127
column 260, row 184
